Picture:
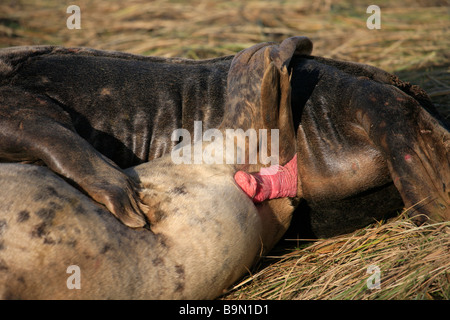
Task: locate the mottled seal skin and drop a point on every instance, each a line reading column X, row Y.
column 198, row 246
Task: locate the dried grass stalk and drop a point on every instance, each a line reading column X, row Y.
column 414, row 264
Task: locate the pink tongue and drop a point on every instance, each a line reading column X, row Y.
column 270, row 183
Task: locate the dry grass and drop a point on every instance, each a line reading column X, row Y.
column 413, row 42
column 411, row 34
column 414, row 35
column 414, row 264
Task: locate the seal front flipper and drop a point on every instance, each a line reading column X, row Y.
column 32, row 128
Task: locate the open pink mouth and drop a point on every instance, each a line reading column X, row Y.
column 271, row 182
